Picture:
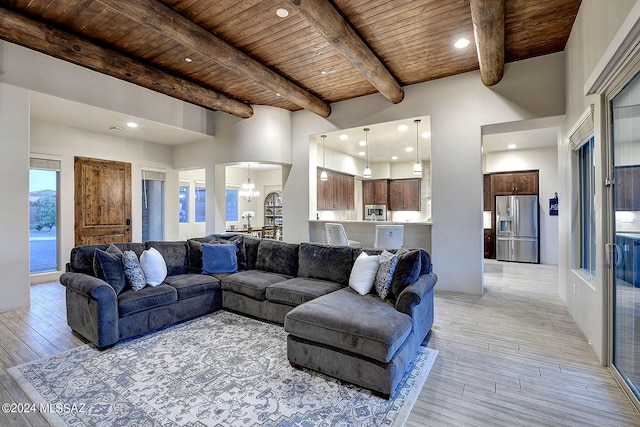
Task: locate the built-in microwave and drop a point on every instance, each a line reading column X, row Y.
column 375, row 212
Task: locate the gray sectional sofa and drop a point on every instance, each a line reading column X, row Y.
column 361, row 339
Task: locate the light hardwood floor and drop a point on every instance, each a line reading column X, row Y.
column 511, row 357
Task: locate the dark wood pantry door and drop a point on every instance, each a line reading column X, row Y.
column 103, row 201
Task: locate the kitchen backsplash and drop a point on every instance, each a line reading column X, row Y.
column 628, row 221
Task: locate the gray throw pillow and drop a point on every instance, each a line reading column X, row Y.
column 111, row 270
column 132, row 271
column 388, row 265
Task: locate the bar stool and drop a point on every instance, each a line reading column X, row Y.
column 389, row 236
column 337, row 236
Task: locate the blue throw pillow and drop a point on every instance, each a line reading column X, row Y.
column 219, row 258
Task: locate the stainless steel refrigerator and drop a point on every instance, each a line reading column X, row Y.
column 517, row 237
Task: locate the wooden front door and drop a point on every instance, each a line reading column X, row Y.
column 103, row 201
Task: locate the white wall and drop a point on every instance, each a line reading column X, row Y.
column 14, row 176
column 595, row 26
column 546, row 161
column 459, row 106
column 65, row 142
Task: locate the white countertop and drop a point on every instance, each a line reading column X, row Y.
column 360, row 221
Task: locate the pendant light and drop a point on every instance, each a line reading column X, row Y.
column 367, row 169
column 417, row 167
column 323, row 175
column 248, row 192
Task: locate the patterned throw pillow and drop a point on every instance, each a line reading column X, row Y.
column 388, row 264
column 133, row 271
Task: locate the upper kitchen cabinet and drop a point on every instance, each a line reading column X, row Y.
column 337, row 193
column 505, row 183
column 627, row 188
column 375, row 192
column 404, row 194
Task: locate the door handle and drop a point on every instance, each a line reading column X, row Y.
column 614, row 254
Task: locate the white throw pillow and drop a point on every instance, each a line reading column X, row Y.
column 154, row 266
column 363, row 273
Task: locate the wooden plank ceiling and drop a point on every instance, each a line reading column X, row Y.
column 241, row 53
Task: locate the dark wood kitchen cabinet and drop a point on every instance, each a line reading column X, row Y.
column 404, row 194
column 627, row 188
column 375, row 192
column 337, row 193
column 505, row 183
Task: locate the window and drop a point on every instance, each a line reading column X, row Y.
column 183, row 201
column 232, row 205
column 201, row 201
column 152, row 205
column 43, row 215
column 587, row 207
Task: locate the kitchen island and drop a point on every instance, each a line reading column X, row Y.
column 416, row 234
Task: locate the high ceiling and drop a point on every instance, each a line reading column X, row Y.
column 230, row 54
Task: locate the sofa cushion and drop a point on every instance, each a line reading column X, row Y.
column 219, row 258
column 81, row 260
column 407, row 271
column 175, row 254
column 195, row 253
column 299, row 290
column 251, row 245
column 131, row 301
column 363, row 273
column 153, row 266
column 110, row 269
column 314, row 259
column 364, row 325
column 252, row 283
column 132, row 271
column 190, row 285
column 277, row 257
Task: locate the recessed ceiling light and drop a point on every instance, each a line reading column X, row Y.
column 344, row 137
column 188, row 60
column 394, row 157
column 323, row 72
column 511, row 146
column 362, row 143
column 403, row 128
column 426, row 134
column 277, row 94
column 282, row 13
column 408, row 149
column 132, row 125
column 461, row 43
column 361, row 153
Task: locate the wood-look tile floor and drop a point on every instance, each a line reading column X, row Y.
column 511, row 357
column 515, row 357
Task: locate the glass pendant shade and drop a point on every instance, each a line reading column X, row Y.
column 417, row 166
column 248, row 193
column 324, row 176
column 367, row 169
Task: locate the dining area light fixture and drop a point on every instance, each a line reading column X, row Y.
column 248, row 191
column 367, row 169
column 323, row 175
column 417, row 167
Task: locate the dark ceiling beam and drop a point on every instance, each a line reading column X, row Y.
column 155, row 15
column 36, row 35
column 488, row 29
column 328, row 22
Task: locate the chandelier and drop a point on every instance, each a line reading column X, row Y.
column 248, row 191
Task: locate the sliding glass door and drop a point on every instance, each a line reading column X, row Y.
column 625, row 110
column 43, row 215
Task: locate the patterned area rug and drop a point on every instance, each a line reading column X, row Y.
column 219, row 370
